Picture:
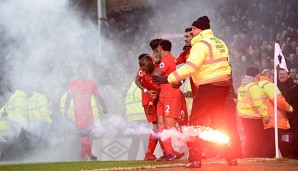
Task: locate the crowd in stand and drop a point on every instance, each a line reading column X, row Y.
column 249, row 27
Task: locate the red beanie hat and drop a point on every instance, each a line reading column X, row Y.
column 202, row 23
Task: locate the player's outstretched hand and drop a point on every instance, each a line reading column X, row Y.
column 160, row 79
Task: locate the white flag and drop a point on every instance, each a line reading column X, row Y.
column 279, row 57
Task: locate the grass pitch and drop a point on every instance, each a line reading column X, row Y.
column 257, row 164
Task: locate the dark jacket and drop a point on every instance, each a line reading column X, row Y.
column 290, row 91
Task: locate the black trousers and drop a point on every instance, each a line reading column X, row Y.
column 254, row 137
column 207, row 110
column 230, row 118
column 284, row 147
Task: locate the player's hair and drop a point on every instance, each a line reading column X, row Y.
column 147, row 58
column 143, row 55
column 166, row 45
column 154, row 43
column 188, row 29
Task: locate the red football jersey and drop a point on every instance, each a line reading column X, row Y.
column 168, row 65
column 82, row 92
column 183, row 56
column 147, row 83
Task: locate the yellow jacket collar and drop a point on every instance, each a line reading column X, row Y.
column 20, row 92
column 200, row 36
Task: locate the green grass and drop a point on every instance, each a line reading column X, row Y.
column 76, row 166
column 258, row 164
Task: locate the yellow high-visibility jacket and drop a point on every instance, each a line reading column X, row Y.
column 207, row 63
column 5, row 127
column 282, row 106
column 70, row 113
column 186, row 87
column 95, row 109
column 251, row 101
column 17, row 109
column 38, row 108
column 133, row 101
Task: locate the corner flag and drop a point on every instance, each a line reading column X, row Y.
column 279, row 57
column 279, row 60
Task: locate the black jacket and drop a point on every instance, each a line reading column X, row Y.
column 290, row 92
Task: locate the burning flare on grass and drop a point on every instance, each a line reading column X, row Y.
column 204, row 133
column 208, row 134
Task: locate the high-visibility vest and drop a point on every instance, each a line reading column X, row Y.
column 283, row 106
column 251, row 101
column 133, row 101
column 70, row 112
column 17, row 109
column 95, row 109
column 187, row 88
column 5, row 127
column 38, row 108
column 207, row 63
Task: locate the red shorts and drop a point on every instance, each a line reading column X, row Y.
column 169, row 107
column 151, row 115
column 183, row 119
column 84, row 120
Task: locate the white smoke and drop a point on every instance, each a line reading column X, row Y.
column 49, row 40
column 46, row 41
column 138, row 129
column 112, row 126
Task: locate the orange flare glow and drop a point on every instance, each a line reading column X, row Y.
column 214, row 136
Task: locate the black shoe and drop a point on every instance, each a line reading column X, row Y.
column 93, row 158
column 194, row 164
column 162, row 158
column 171, row 157
column 232, row 162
